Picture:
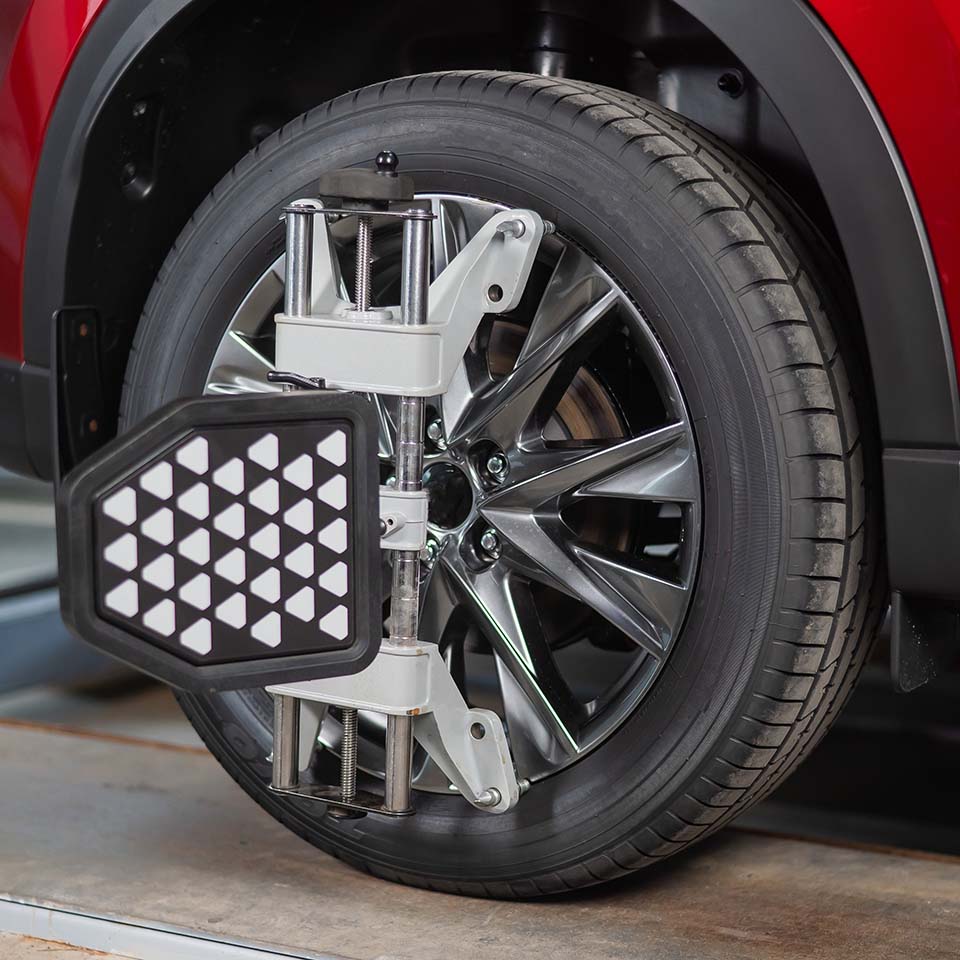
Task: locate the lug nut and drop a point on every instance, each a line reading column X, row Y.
column 490, row 544
column 498, row 466
column 435, row 435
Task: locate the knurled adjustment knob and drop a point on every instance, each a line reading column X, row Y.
column 387, row 163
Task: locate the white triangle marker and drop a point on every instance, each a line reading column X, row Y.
column 196, row 547
column 301, row 560
column 197, row 637
column 267, row 629
column 194, row 455
column 122, row 553
column 162, row 618
column 233, row 611
column 266, row 497
column 232, row 566
column 196, row 501
column 122, row 506
column 267, row 585
column 125, row 599
column 265, row 452
column 231, row 521
column 230, row 476
column 333, row 449
column 335, row 622
column 334, row 492
column 334, row 580
column 159, row 527
column 197, row 592
column 267, row 541
column 300, row 516
column 301, row 605
column 300, row 472
column 160, row 572
column 158, row 480
column 334, row 535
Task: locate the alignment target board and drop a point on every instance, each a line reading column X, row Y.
column 237, row 542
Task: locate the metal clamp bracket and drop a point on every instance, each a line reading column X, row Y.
column 375, row 352
column 403, row 519
column 469, row 745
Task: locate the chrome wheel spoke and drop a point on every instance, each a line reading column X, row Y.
column 503, row 410
column 656, row 465
column 503, row 609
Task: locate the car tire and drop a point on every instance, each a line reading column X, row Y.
column 755, row 318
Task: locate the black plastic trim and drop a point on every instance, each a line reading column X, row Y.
column 922, row 498
column 130, row 451
column 25, row 419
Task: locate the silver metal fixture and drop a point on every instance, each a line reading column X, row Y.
column 412, row 683
column 286, row 741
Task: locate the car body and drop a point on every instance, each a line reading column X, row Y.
column 118, row 116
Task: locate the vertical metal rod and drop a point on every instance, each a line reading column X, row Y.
column 298, row 289
column 348, row 754
column 286, row 743
column 405, row 594
column 364, row 254
column 399, row 762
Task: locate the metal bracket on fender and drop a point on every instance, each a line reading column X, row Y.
column 469, row 745
column 376, row 353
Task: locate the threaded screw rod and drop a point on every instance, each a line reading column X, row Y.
column 364, row 255
column 348, row 755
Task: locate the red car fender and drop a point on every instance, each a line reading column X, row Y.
column 897, row 56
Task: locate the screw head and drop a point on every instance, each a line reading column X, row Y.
column 490, row 544
column 498, row 466
column 435, row 434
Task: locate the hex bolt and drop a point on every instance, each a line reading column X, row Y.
column 498, row 466
column 435, row 435
column 431, row 550
column 490, row 544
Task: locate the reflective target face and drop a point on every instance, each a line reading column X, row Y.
column 234, row 544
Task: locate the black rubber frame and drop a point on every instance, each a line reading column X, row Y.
column 131, row 450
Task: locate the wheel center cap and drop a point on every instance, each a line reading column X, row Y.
column 450, row 493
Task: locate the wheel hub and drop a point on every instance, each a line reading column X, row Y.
column 451, row 495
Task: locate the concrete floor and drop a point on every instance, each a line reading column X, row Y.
column 136, row 826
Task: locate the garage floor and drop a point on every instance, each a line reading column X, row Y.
column 119, row 833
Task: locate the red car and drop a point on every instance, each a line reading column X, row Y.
column 749, row 311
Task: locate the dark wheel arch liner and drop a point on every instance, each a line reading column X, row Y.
column 794, row 57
